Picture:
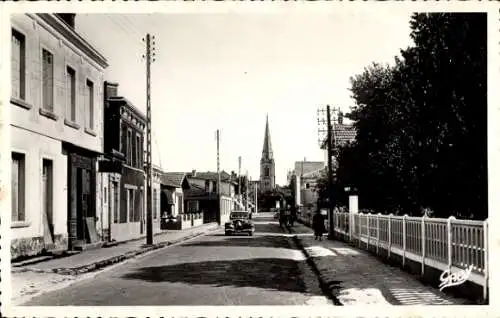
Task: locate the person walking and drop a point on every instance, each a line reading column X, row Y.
column 318, row 225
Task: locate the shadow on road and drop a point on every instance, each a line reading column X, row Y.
column 266, row 273
column 270, row 241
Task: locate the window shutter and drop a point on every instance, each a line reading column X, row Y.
column 15, row 190
column 16, row 66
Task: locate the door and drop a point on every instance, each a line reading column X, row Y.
column 47, row 206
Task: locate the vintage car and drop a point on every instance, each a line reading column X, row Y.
column 239, row 222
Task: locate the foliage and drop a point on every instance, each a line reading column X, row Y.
column 421, row 124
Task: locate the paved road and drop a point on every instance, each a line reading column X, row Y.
column 265, row 269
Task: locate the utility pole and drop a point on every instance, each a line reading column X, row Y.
column 150, row 57
column 239, row 178
column 246, row 192
column 330, row 173
column 255, row 187
column 218, row 181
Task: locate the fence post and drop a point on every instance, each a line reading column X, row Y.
column 359, row 229
column 350, row 224
column 389, row 236
column 450, row 250
column 423, row 244
column 368, row 231
column 378, row 230
column 486, row 276
column 404, row 238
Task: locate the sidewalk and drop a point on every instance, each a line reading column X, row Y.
column 354, row 277
column 31, row 280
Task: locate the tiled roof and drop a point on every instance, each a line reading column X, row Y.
column 341, row 135
column 224, row 176
column 173, row 179
column 305, row 167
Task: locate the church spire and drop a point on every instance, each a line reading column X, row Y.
column 267, row 149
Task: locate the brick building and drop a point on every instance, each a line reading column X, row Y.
column 123, row 169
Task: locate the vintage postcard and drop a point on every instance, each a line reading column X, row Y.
column 249, row 158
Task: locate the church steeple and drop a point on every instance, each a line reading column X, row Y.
column 267, row 149
column 267, row 172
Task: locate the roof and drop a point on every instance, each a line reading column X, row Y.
column 224, row 176
column 341, row 135
column 306, row 167
column 72, row 36
column 123, row 101
column 175, row 179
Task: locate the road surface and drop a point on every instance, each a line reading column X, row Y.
column 265, row 269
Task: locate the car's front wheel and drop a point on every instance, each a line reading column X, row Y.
column 250, row 233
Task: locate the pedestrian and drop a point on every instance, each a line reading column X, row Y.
column 318, row 225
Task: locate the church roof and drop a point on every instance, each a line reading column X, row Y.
column 267, row 149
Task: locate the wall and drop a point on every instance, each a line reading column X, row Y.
column 37, row 37
column 39, row 136
column 157, row 186
column 26, row 236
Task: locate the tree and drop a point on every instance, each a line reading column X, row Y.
column 421, row 124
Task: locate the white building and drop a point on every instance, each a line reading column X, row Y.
column 56, row 135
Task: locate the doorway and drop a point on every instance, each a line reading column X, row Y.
column 47, row 202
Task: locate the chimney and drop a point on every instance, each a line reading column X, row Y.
column 193, row 173
column 340, row 118
column 68, row 18
column 110, row 90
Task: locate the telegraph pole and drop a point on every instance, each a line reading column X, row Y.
column 218, row 180
column 150, row 57
column 255, row 187
column 330, row 172
column 246, row 192
column 239, row 176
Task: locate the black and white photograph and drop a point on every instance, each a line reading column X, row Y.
column 204, row 156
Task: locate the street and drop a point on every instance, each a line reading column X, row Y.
column 265, row 269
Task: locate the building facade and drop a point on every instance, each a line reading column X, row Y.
column 56, row 135
column 124, row 167
column 203, row 195
column 267, row 166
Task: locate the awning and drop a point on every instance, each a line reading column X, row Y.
column 169, row 196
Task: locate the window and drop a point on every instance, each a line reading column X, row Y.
column 207, row 186
column 130, row 205
column 47, row 80
column 179, row 203
column 116, row 203
column 89, row 103
column 18, row 188
column 266, row 171
column 214, row 186
column 18, row 65
column 138, row 151
column 138, row 211
column 129, row 147
column 155, row 202
column 192, row 206
column 70, row 94
column 105, row 195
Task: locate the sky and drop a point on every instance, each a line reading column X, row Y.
column 228, row 71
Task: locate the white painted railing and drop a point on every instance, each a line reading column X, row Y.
column 444, row 244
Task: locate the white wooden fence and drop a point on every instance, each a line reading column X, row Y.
column 444, row 244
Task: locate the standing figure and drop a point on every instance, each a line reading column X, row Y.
column 318, row 225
